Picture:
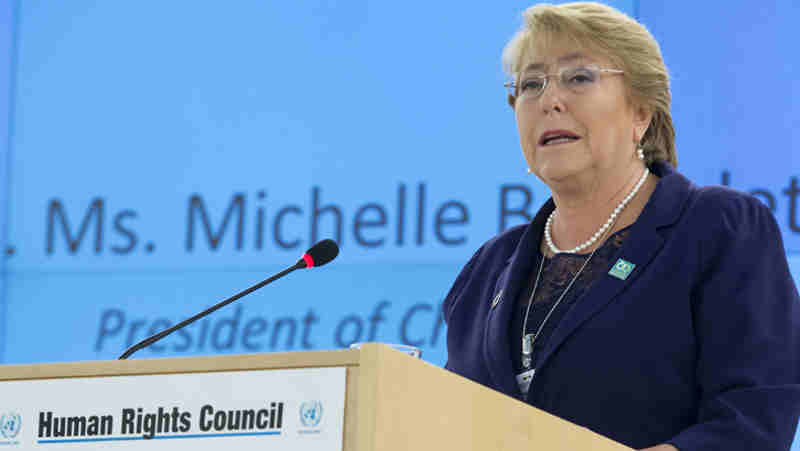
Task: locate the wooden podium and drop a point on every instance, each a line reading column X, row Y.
column 392, row 401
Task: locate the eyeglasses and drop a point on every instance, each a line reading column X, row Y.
column 577, row 80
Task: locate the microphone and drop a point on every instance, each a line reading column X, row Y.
column 318, row 255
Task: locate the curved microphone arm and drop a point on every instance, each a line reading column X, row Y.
column 154, row 338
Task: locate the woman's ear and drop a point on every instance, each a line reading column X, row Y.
column 642, row 116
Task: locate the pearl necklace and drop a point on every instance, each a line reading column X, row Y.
column 548, row 225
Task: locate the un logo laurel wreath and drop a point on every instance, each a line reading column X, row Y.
column 310, row 413
column 10, row 424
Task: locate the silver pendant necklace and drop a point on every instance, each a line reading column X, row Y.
column 529, row 339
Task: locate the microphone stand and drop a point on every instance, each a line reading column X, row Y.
column 154, row 338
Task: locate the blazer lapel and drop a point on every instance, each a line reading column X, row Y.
column 606, row 289
column 497, row 349
column 662, row 209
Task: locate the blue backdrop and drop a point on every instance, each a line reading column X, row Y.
column 159, row 156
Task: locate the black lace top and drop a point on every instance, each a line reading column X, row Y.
column 557, row 273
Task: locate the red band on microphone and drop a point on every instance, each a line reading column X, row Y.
column 309, row 261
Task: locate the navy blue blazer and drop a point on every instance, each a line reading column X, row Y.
column 698, row 347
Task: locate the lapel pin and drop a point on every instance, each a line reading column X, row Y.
column 622, row 269
column 497, row 298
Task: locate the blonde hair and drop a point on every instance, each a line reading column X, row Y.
column 624, row 41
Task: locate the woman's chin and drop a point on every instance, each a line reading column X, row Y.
column 558, row 172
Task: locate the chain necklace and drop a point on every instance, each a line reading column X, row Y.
column 529, row 339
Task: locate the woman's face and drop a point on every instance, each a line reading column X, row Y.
column 599, row 125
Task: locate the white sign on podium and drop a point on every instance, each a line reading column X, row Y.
column 298, row 409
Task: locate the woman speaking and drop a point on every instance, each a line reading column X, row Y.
column 645, row 308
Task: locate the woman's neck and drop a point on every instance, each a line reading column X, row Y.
column 585, row 205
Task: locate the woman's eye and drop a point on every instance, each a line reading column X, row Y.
column 580, row 77
column 531, row 84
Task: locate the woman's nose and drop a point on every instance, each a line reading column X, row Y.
column 552, row 97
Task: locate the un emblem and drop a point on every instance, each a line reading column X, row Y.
column 10, row 424
column 621, row 269
column 310, row 413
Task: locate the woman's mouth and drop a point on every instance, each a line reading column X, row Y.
column 555, row 137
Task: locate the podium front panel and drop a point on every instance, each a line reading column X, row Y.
column 299, row 409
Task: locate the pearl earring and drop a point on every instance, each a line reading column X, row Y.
column 528, row 170
column 640, row 153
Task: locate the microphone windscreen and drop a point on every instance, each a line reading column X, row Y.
column 321, row 253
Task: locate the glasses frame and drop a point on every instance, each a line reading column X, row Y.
column 512, row 86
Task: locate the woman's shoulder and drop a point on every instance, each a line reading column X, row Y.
column 492, row 254
column 725, row 197
column 708, row 207
column 722, row 208
column 485, row 262
column 501, row 246
column 724, row 221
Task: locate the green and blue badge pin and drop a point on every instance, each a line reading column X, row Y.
column 622, row 269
